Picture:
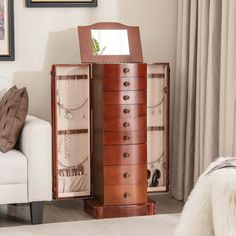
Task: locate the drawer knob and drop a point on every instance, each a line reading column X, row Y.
column 126, row 70
column 126, row 138
column 126, row 124
column 126, row 97
column 126, row 155
column 126, row 175
column 126, row 111
column 126, row 83
column 127, row 195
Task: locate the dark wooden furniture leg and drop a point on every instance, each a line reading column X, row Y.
column 36, row 212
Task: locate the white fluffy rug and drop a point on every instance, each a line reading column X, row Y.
column 159, row 225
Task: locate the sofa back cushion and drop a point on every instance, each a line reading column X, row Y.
column 13, row 111
column 5, row 84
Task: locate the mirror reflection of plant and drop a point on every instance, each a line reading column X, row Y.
column 96, row 47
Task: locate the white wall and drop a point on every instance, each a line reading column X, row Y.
column 46, row 36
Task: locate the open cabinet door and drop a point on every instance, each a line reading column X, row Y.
column 71, row 130
column 158, row 127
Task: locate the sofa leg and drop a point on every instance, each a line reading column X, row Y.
column 36, row 212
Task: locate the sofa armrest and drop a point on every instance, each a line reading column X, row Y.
column 35, row 143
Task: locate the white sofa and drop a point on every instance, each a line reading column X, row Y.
column 26, row 172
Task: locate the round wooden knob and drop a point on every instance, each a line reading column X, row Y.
column 126, row 70
column 126, row 83
column 126, row 111
column 126, row 97
column 127, row 195
column 126, row 155
column 126, row 175
column 126, row 124
column 126, row 138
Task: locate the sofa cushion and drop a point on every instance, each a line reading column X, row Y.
column 13, row 111
column 5, row 84
column 13, row 167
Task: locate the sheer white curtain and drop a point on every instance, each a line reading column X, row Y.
column 204, row 116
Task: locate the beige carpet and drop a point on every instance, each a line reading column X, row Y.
column 159, row 225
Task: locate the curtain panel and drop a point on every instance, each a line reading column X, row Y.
column 204, row 115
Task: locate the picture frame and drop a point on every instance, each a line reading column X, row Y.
column 7, row 48
column 61, row 3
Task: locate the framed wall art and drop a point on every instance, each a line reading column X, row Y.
column 61, row 3
column 7, row 30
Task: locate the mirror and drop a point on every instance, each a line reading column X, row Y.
column 110, row 42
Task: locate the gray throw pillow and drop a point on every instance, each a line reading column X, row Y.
column 13, row 112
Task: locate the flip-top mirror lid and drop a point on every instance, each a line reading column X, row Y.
column 93, row 43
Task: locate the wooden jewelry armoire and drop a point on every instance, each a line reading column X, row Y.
column 124, row 133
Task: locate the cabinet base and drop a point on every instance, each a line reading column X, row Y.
column 98, row 211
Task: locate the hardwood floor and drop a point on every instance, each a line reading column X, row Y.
column 72, row 210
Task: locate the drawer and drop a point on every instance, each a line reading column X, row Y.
column 125, row 97
column 123, row 175
column 128, row 137
column 123, row 124
column 125, row 70
column 124, row 111
column 125, row 83
column 125, row 194
column 125, row 154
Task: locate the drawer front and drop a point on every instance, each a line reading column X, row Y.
column 125, row 70
column 123, row 175
column 125, row 83
column 123, row 124
column 125, row 154
column 125, row 194
column 129, row 137
column 124, row 111
column 125, row 97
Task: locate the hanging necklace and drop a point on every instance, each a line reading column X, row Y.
column 67, row 140
column 157, row 105
column 67, row 144
column 68, row 111
column 59, row 144
column 75, row 170
column 159, row 160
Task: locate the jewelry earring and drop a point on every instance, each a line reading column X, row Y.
column 68, row 115
column 80, row 169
